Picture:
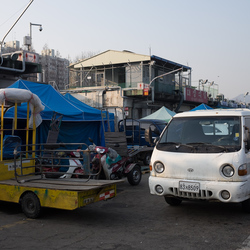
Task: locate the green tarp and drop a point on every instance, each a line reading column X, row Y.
column 163, row 114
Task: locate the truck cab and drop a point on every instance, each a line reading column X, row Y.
column 203, row 155
column 135, row 130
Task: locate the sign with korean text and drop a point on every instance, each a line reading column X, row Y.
column 194, row 95
column 28, row 57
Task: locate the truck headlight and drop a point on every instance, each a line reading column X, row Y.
column 159, row 167
column 228, row 171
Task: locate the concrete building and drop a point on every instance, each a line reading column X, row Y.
column 139, row 83
column 55, row 70
column 16, row 63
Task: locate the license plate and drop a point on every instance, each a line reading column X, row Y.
column 187, row 186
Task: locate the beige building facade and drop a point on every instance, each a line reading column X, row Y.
column 139, row 83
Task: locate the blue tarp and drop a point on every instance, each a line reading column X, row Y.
column 201, row 107
column 96, row 113
column 78, row 103
column 79, row 122
column 56, row 102
column 10, row 143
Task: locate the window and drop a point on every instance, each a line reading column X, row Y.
column 208, row 131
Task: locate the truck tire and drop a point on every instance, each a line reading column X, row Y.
column 246, row 206
column 134, row 176
column 173, row 201
column 31, row 205
column 147, row 158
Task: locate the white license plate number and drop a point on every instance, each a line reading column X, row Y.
column 186, row 186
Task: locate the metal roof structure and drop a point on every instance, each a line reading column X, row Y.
column 169, row 64
column 112, row 57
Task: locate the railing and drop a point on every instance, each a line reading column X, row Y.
column 70, row 160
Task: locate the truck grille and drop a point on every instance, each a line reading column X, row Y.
column 203, row 194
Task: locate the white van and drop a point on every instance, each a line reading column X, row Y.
column 203, row 155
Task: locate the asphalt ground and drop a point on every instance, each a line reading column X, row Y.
column 134, row 219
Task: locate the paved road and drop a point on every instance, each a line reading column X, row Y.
column 132, row 220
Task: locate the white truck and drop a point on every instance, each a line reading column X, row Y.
column 203, row 155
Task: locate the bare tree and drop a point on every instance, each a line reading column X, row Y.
column 46, row 46
column 84, row 55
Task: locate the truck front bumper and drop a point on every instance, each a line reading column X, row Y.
column 208, row 190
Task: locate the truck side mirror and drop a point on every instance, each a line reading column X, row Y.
column 148, row 136
column 157, row 131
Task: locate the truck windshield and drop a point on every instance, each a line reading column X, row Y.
column 202, row 134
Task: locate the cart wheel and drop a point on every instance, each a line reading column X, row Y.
column 134, row 176
column 31, row 205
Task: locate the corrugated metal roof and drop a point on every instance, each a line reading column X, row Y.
column 171, row 64
column 110, row 57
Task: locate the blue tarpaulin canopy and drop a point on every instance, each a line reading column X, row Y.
column 79, row 121
column 201, row 107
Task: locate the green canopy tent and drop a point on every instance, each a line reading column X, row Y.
column 163, row 114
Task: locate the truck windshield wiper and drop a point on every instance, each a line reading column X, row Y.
column 178, row 144
column 209, row 144
column 195, row 143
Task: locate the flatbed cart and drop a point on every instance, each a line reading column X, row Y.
column 22, row 176
column 68, row 194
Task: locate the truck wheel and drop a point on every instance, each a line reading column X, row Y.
column 134, row 176
column 173, row 201
column 147, row 159
column 246, row 206
column 31, row 205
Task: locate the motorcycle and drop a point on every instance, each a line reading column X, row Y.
column 65, row 164
column 75, row 164
column 114, row 167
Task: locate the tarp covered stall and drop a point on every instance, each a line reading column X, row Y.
column 105, row 116
column 161, row 114
column 79, row 121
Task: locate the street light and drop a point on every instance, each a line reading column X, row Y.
column 245, row 96
column 40, row 29
column 152, row 87
column 215, row 91
column 202, row 82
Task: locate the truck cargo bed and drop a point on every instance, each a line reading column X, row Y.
column 61, row 184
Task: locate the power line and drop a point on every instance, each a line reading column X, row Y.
column 12, row 15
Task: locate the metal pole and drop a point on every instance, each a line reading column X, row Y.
column 35, row 24
column 152, row 87
column 29, row 47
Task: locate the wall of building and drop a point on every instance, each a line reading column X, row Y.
column 100, row 98
column 134, row 74
column 112, row 98
column 55, row 69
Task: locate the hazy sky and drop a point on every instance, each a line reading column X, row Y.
column 210, row 36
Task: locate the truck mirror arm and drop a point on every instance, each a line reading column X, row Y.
column 156, row 139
